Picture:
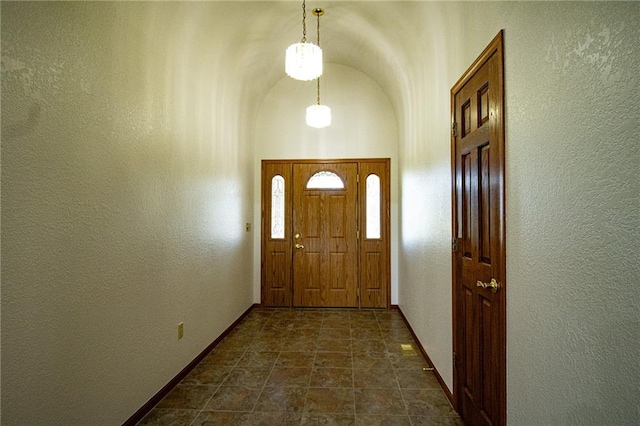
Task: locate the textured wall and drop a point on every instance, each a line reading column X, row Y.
column 573, row 218
column 363, row 126
column 127, row 178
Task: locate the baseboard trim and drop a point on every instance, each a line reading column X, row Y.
column 426, row 357
column 155, row 399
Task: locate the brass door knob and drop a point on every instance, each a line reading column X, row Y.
column 493, row 285
column 299, row 246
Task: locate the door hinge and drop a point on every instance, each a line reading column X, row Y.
column 357, row 235
column 454, row 245
column 455, row 360
column 358, row 292
column 358, row 178
column 454, row 131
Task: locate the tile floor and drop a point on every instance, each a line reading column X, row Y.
column 324, row 367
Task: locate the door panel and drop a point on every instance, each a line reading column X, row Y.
column 327, row 223
column 478, row 225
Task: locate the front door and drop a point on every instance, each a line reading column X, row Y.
column 478, row 226
column 326, row 233
column 325, row 225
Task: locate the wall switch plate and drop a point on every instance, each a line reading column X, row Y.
column 180, row 330
column 247, row 226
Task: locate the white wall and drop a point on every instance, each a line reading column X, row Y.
column 127, row 177
column 363, row 126
column 573, row 214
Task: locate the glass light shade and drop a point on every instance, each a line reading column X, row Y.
column 303, row 61
column 318, row 116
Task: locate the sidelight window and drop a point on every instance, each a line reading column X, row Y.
column 373, row 206
column 277, row 207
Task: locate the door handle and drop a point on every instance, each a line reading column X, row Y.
column 299, row 246
column 493, row 285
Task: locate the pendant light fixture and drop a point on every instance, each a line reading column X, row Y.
column 318, row 115
column 303, row 61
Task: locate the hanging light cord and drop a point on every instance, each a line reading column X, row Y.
column 318, row 79
column 304, row 21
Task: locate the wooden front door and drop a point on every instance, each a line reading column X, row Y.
column 326, row 233
column 478, row 224
column 325, row 225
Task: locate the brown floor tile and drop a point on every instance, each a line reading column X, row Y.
column 300, row 344
column 188, row 397
column 306, row 332
column 380, row 420
column 375, row 345
column 295, row 359
column 436, row 421
column 259, row 314
column 264, row 360
column 329, row 419
column 329, row 401
column 334, row 346
column 305, row 323
column 223, row 357
column 333, row 359
column 207, row 374
column 273, row 419
column 399, row 360
column 335, row 333
column 416, row 378
column 233, row 398
column 282, row 399
column 362, row 315
column 221, row 418
column 289, row 376
column 339, row 315
column 397, row 335
column 235, row 343
column 365, row 334
column 332, row 378
column 336, row 323
column 266, row 344
column 379, row 401
column 427, row 402
column 371, row 360
column 374, row 378
column 364, row 324
column 245, row 376
column 167, row 417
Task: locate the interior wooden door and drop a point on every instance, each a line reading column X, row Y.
column 478, row 225
column 325, row 225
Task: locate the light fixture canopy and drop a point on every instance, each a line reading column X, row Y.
column 303, row 61
column 318, row 115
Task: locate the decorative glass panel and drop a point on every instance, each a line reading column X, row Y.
column 325, row 180
column 373, row 206
column 277, row 207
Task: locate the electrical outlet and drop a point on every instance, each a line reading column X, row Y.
column 180, row 330
column 247, row 226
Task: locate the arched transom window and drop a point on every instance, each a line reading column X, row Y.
column 325, row 180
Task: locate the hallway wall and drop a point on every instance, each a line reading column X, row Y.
column 363, row 126
column 127, row 178
column 573, row 208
